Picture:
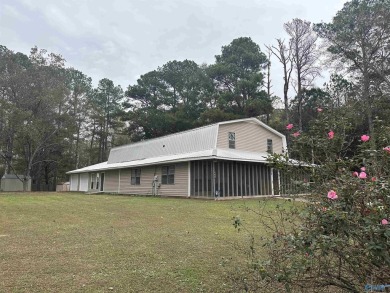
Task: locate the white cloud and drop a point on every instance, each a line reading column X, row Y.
column 121, row 39
column 8, row 10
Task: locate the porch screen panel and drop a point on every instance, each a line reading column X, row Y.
column 268, row 180
column 240, row 180
column 217, row 177
column 225, row 179
column 248, row 179
column 243, row 179
column 231, row 178
column 209, row 178
column 205, row 177
column 267, row 175
column 198, row 185
column 236, row 179
column 222, row 193
column 201, row 173
column 257, row 179
column 245, row 168
column 253, row 180
column 227, row 190
column 262, row 180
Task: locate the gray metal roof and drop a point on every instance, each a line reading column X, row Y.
column 221, row 154
column 195, row 144
column 194, row 140
column 198, row 139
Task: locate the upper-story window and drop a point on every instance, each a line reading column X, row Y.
column 136, row 176
column 269, row 146
column 168, row 175
column 232, row 140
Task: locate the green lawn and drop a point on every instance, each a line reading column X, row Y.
column 71, row 242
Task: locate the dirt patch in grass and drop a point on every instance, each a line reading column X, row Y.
column 71, row 242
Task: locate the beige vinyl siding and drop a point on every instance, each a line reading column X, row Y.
column 145, row 188
column 111, row 181
column 249, row 137
column 180, row 188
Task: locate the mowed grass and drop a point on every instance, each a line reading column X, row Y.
column 71, row 242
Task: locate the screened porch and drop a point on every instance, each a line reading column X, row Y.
column 220, row 178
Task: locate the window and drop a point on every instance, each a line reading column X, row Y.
column 97, row 181
column 269, row 146
column 93, row 176
column 232, row 140
column 168, row 175
column 135, row 176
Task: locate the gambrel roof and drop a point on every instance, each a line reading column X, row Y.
column 194, row 144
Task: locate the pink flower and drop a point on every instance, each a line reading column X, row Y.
column 365, row 138
column 330, row 134
column 296, row 134
column 324, row 209
column 384, row 222
column 289, row 126
column 355, row 174
column 362, row 175
column 373, row 179
column 387, row 149
column 319, row 109
column 332, row 194
column 363, row 169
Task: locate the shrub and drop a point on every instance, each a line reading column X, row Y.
column 341, row 238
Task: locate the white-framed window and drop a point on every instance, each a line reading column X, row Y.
column 269, row 146
column 168, row 174
column 232, row 140
column 136, row 176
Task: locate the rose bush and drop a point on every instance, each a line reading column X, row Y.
column 341, row 238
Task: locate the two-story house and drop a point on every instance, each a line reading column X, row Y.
column 226, row 159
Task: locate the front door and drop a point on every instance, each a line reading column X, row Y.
column 101, row 181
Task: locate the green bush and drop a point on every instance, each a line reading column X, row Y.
column 340, row 240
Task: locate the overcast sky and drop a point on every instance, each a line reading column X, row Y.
column 122, row 39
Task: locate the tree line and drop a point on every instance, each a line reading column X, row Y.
column 52, row 119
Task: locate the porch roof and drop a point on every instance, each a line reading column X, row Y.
column 216, row 154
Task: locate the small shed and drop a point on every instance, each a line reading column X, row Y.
column 11, row 182
column 63, row 186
